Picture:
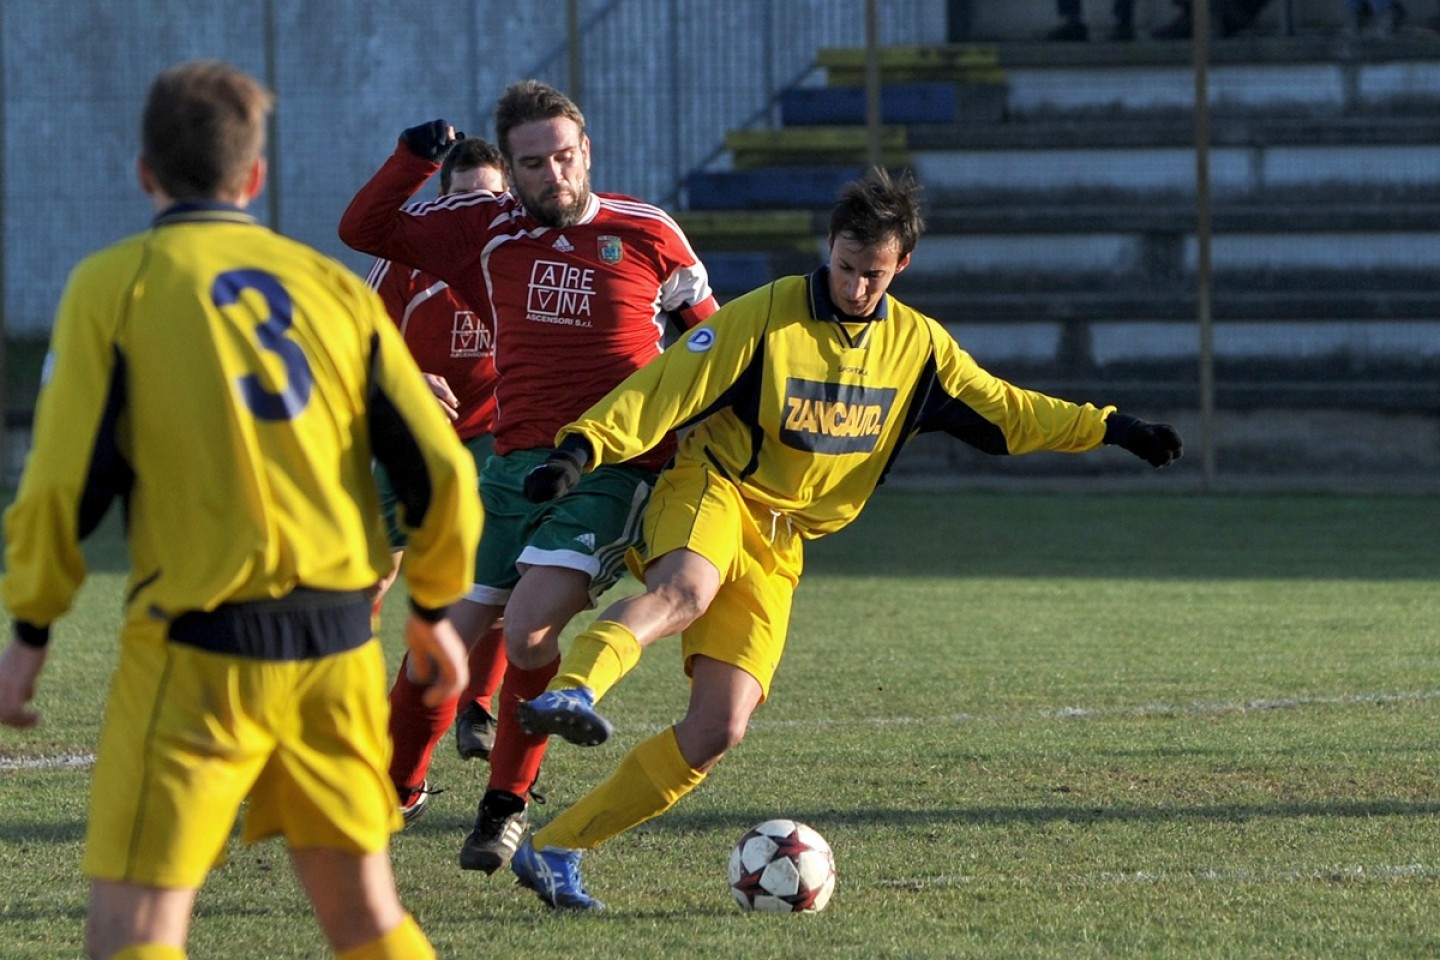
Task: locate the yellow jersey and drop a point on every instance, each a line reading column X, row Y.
column 805, row 409
column 230, row 386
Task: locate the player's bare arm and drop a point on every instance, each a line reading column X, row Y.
column 20, row 667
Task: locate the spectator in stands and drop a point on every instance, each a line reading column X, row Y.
column 1073, row 27
column 1373, row 18
column 1227, row 18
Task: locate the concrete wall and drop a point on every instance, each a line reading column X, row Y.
column 661, row 82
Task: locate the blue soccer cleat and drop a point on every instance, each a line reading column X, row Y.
column 554, row 875
column 567, row 713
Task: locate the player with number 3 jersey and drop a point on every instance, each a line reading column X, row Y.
column 231, row 387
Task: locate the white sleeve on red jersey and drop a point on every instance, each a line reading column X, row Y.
column 685, row 291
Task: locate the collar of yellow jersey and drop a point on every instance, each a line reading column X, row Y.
column 201, row 211
column 823, row 308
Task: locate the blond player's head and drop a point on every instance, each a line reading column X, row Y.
column 202, row 132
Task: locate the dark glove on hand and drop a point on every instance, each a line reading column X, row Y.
column 429, row 141
column 559, row 473
column 1158, row 444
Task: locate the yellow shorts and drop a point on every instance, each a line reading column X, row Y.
column 188, row 735
column 757, row 553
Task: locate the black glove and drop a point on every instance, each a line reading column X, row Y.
column 429, row 141
column 1158, row 444
column 559, row 473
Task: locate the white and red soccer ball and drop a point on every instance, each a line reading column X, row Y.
column 782, row 866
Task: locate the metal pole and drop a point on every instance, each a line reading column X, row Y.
column 4, row 322
column 574, row 78
column 1200, row 31
column 272, row 180
column 872, row 84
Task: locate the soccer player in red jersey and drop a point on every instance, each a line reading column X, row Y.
column 455, row 347
column 580, row 286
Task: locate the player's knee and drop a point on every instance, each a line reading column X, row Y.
column 682, row 604
column 703, row 744
column 529, row 647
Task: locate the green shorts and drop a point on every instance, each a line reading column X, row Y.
column 588, row 529
column 480, row 448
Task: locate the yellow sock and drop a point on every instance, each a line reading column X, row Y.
column 149, row 951
column 598, row 658
column 405, row 942
column 649, row 781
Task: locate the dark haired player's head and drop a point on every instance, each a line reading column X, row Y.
column 873, row 230
column 541, row 134
column 879, row 206
column 472, row 155
column 202, row 133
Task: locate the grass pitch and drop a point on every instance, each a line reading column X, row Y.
column 1030, row 725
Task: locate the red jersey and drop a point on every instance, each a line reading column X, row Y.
column 576, row 309
column 446, row 337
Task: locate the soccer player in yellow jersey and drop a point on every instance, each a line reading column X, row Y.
column 231, row 388
column 799, row 395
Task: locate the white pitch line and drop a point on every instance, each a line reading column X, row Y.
column 1343, row 872
column 1096, row 713
column 64, row 761
column 85, row 760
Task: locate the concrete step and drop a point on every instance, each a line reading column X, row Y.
column 1273, row 171
column 1393, row 128
column 1341, row 246
column 1122, row 213
column 1314, row 74
column 813, row 146
column 1151, row 255
column 959, row 63
column 763, row 188
column 1328, row 74
column 752, row 230
column 900, row 103
column 1174, row 302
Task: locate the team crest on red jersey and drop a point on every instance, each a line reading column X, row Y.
column 611, row 250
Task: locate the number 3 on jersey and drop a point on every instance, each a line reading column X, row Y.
column 291, row 399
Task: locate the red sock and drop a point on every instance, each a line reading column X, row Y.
column 487, row 668
column 515, row 761
column 414, row 730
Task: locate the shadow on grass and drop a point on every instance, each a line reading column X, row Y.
column 31, row 835
column 1135, row 536
column 890, row 818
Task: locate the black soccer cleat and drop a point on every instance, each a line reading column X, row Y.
column 474, row 732
column 499, row 825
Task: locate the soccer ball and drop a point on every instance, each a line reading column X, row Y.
column 782, row 866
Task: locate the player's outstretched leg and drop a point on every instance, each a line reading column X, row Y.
column 568, row 713
column 554, row 875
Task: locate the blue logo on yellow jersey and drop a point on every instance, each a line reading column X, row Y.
column 700, row 340
column 834, row 417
